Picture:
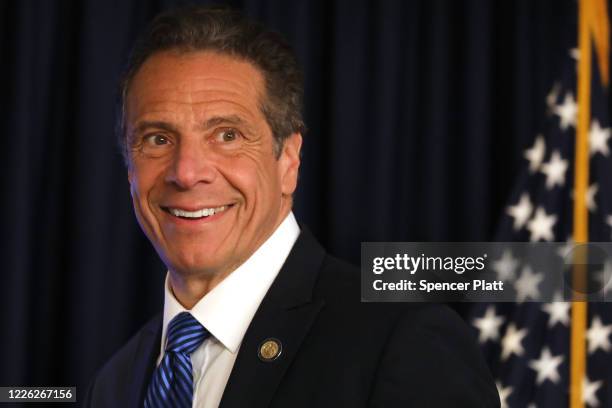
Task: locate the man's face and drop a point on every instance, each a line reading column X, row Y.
column 207, row 187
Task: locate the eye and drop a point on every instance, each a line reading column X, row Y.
column 156, row 139
column 154, row 144
column 227, row 135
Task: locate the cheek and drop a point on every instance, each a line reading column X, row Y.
column 256, row 180
column 142, row 185
column 143, row 177
column 136, row 182
column 137, row 195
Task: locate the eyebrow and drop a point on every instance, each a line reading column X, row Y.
column 144, row 125
column 208, row 124
column 221, row 120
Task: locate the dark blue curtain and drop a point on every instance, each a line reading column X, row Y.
column 418, row 113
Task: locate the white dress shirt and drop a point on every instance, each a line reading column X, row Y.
column 226, row 312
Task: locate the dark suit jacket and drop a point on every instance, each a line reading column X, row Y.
column 337, row 351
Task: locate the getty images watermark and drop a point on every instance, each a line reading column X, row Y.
column 485, row 272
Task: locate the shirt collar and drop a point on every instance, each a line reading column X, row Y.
column 227, row 310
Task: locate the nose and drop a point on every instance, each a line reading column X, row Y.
column 191, row 164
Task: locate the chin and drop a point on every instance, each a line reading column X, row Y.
column 188, row 254
column 193, row 267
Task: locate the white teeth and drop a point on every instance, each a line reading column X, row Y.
column 205, row 212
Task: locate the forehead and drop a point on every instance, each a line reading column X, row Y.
column 194, row 77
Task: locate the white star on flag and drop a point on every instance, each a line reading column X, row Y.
column 565, row 250
column 547, row 366
column 605, row 277
column 589, row 389
column 526, row 285
column 541, row 225
column 521, row 211
column 511, row 342
column 505, row 266
column 504, row 393
column 590, row 197
column 535, row 154
column 558, row 311
column 488, row 325
column 552, row 96
column 574, row 53
column 567, row 111
column 598, row 336
column 598, row 139
column 555, row 170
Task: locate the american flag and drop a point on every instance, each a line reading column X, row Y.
column 527, row 345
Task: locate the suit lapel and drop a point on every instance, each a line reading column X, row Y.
column 144, row 361
column 286, row 314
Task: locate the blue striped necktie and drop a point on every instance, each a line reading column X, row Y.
column 172, row 382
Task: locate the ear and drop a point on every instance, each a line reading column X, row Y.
column 289, row 163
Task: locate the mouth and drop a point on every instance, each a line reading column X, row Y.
column 197, row 214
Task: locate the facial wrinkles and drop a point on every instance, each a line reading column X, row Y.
column 152, row 83
column 186, row 102
column 196, row 95
column 200, row 86
column 149, row 86
column 192, row 116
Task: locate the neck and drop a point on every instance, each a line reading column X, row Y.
column 189, row 291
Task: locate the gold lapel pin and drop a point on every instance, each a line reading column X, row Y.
column 270, row 349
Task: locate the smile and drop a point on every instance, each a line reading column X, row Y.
column 201, row 213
